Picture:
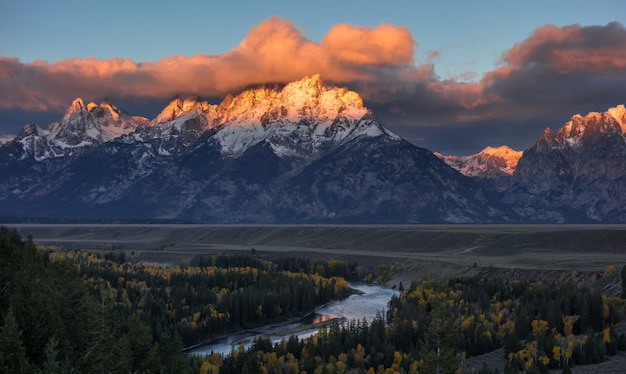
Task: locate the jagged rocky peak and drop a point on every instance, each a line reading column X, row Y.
column 77, row 106
column 503, row 151
column 182, row 105
column 592, row 123
column 234, row 105
column 108, row 114
column 574, row 132
column 490, row 161
column 113, row 121
column 4, row 139
column 305, row 98
column 546, row 140
column 82, row 125
column 73, row 120
column 619, row 113
column 105, row 107
column 306, row 91
column 331, row 101
column 298, row 119
column 30, row 129
column 75, row 125
column 575, row 175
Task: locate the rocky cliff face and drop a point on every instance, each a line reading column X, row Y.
column 575, row 175
column 300, row 152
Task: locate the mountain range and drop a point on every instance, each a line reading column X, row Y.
column 300, row 152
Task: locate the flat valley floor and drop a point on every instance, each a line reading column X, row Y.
column 523, row 247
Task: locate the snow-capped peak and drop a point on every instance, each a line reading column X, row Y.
column 30, row 129
column 304, row 98
column 4, row 139
column 81, row 126
column 489, row 161
column 77, row 106
column 114, row 122
column 504, row 152
column 572, row 133
column 181, row 105
column 619, row 113
column 296, row 119
column 110, row 107
column 92, row 124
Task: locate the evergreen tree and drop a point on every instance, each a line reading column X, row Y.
column 439, row 352
column 12, row 352
column 52, row 364
column 624, row 282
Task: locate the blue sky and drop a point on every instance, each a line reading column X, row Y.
column 456, row 42
column 469, row 35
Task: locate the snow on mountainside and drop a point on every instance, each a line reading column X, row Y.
column 489, row 161
column 613, row 121
column 298, row 120
column 619, row 113
column 91, row 124
column 6, row 138
column 177, row 126
column 183, row 106
column 492, row 167
column 299, row 152
column 81, row 126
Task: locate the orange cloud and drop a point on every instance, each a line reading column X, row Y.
column 553, row 68
column 385, row 45
column 274, row 51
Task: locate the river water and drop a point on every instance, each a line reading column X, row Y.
column 366, row 304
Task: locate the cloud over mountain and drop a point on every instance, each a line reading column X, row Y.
column 554, row 72
column 274, row 51
column 553, row 69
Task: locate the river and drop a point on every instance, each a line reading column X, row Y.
column 366, row 304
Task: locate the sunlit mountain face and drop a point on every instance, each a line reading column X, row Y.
column 492, row 167
column 298, row 152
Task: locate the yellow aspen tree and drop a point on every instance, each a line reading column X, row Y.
column 539, row 327
column 605, row 311
column 606, row 335
column 556, row 353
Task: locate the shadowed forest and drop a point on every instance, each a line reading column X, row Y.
column 75, row 311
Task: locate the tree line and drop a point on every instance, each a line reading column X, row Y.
column 220, row 294
column 75, row 311
column 55, row 321
column 434, row 326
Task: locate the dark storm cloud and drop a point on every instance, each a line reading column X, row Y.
column 573, row 49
